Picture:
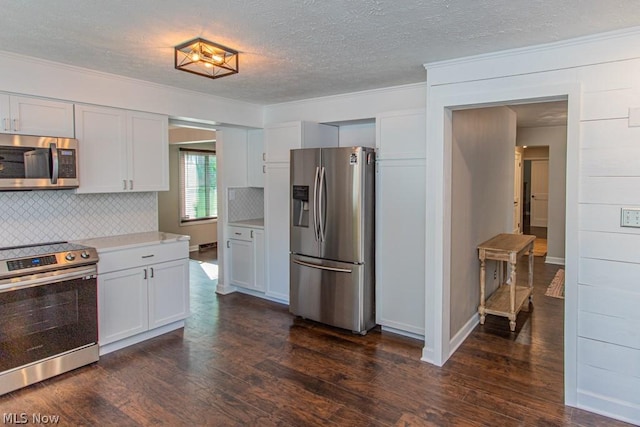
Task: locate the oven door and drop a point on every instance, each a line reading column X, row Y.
column 46, row 314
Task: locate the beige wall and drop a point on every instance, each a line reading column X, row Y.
column 169, row 204
column 482, row 169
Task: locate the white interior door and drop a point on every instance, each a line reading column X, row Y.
column 539, row 192
column 517, row 194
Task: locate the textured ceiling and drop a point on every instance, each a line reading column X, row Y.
column 295, row 49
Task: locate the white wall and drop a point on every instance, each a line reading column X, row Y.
column 38, row 77
column 482, row 167
column 556, row 138
column 600, row 79
column 350, row 106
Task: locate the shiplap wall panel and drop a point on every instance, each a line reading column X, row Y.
column 623, row 276
column 609, row 302
column 608, row 104
column 609, row 133
column 611, row 161
column 611, row 246
column 609, row 75
column 611, row 384
column 614, row 330
column 610, row 190
column 622, row 360
column 604, row 218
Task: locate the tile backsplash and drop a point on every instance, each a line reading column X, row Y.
column 245, row 203
column 28, row 217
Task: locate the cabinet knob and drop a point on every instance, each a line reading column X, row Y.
column 124, row 184
column 145, row 274
column 252, row 234
column 130, row 184
column 16, row 125
column 264, row 169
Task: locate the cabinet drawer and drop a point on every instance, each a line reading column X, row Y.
column 141, row 256
column 240, row 233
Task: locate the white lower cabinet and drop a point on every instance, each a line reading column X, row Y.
column 122, row 305
column 246, row 257
column 143, row 299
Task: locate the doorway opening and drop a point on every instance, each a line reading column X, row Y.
column 485, row 141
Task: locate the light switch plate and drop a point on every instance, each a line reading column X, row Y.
column 630, row 217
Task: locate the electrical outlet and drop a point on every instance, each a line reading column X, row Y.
column 629, row 217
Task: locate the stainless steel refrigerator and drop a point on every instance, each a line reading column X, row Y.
column 332, row 271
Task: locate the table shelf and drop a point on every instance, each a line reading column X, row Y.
column 508, row 299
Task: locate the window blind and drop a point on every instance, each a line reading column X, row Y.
column 198, row 185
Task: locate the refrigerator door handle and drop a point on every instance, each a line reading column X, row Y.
column 315, row 204
column 321, row 210
column 322, row 267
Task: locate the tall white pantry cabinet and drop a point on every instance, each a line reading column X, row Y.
column 400, row 221
column 279, row 139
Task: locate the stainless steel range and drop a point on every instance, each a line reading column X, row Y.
column 48, row 311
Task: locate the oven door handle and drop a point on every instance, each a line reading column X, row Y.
column 50, row 277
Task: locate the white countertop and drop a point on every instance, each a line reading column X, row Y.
column 112, row 243
column 254, row 223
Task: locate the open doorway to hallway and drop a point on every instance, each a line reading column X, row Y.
column 483, row 195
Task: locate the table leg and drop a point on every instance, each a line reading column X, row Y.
column 531, row 273
column 482, row 285
column 512, row 292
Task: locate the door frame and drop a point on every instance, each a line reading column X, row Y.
column 442, row 100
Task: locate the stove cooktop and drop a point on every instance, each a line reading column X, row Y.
column 28, row 259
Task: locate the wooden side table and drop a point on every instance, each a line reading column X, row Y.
column 509, row 298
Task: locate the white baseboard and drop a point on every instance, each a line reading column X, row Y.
column 404, row 333
column 554, row 260
column 462, row 334
column 108, row 348
column 223, row 289
column 612, row 408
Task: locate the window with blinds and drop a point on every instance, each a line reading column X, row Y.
column 198, row 185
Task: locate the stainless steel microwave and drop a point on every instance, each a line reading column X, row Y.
column 38, row 162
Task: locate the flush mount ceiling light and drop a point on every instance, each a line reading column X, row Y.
column 205, row 58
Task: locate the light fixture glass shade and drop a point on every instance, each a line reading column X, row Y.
column 199, row 56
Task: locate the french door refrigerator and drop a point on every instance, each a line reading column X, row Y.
column 332, row 271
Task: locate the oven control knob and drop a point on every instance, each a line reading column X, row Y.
column 70, row 257
column 84, row 255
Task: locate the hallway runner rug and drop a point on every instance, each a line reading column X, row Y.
column 556, row 288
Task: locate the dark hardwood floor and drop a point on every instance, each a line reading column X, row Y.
column 246, row 361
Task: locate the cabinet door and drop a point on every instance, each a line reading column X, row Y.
column 102, row 138
column 241, row 263
column 400, row 250
column 280, row 138
column 401, row 135
column 168, row 292
column 36, row 116
column 231, row 147
column 276, row 227
column 258, row 259
column 122, row 305
column 255, row 158
column 148, row 137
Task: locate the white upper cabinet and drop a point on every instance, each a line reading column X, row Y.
column 148, row 141
column 231, row 146
column 255, row 158
column 121, row 150
column 282, row 137
column 401, row 135
column 36, row 116
column 102, row 137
